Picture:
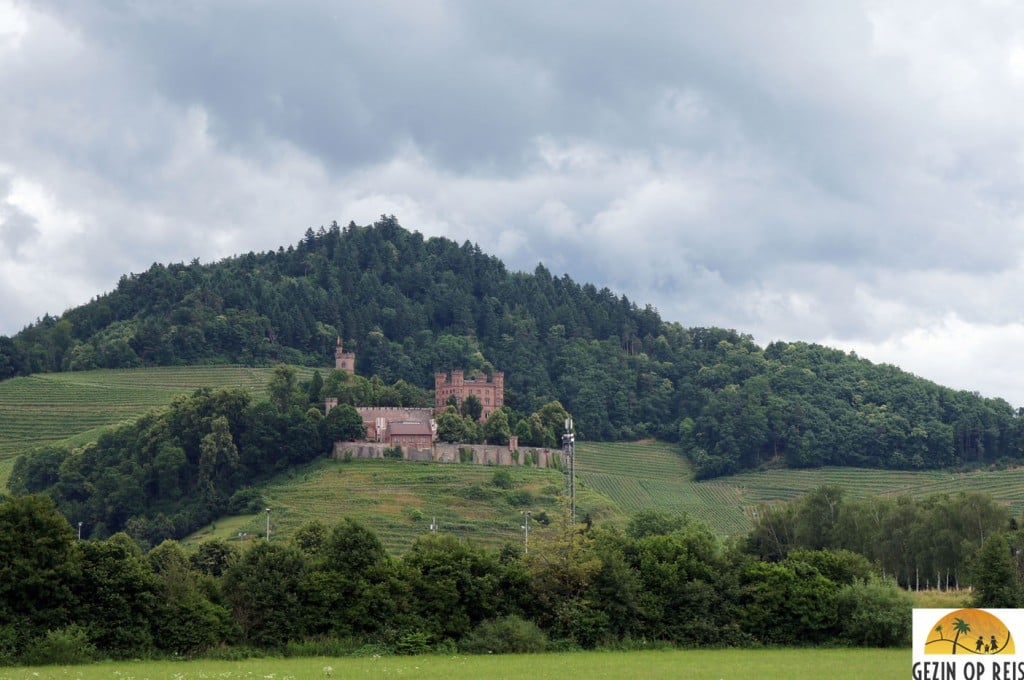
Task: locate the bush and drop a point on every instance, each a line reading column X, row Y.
column 246, row 501
column 502, row 479
column 508, row 635
column 875, row 613
column 411, row 644
column 64, row 646
column 520, row 498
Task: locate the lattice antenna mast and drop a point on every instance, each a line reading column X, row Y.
column 569, row 448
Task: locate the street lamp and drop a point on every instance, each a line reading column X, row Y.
column 79, row 531
column 268, row 525
column 241, row 539
column 525, row 526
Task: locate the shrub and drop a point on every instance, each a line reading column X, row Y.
column 414, row 643
column 246, row 501
column 502, row 479
column 393, row 453
column 875, row 613
column 63, row 646
column 520, row 498
column 508, row 635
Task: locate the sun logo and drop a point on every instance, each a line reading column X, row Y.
column 969, row 631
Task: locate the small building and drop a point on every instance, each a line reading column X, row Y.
column 381, row 421
column 415, row 435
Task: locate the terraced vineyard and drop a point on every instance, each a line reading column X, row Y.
column 399, row 500
column 75, row 407
column 652, row 475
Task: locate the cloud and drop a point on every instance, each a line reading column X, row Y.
column 842, row 173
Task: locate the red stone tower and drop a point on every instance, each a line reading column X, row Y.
column 344, row 361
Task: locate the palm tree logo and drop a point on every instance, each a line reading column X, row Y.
column 960, row 626
column 993, row 637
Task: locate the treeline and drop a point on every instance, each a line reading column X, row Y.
column 335, row 590
column 177, row 469
column 922, row 543
column 410, row 306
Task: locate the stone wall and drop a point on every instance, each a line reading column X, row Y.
column 476, row 454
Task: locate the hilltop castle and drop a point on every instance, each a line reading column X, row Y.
column 415, row 427
column 490, row 391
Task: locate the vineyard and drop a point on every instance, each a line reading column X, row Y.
column 652, row 474
column 73, row 408
column 400, row 500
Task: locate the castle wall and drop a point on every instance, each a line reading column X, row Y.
column 470, row 454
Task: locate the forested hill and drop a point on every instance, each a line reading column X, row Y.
column 410, row 306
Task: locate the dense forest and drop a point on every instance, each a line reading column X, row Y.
column 409, row 306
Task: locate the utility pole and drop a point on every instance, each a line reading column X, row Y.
column 268, row 525
column 569, row 448
column 526, row 531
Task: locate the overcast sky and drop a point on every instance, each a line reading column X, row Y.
column 848, row 173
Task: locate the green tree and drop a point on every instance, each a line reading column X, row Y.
column 472, row 408
column 284, row 389
column 496, row 429
column 118, row 595
column 344, row 424
column 265, row 594
column 37, row 568
column 995, row 575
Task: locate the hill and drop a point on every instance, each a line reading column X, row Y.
column 410, row 306
column 614, row 480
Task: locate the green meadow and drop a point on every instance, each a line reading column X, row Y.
column 732, row 664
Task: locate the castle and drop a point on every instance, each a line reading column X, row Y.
column 344, row 361
column 416, row 427
column 490, row 392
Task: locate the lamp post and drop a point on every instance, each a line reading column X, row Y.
column 526, row 531
column 79, row 531
column 268, row 525
column 241, row 539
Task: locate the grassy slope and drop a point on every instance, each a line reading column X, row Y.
column 399, row 500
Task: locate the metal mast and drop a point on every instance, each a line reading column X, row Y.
column 569, row 448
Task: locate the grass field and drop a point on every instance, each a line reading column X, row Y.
column 783, row 664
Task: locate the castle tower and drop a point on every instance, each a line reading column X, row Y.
column 490, row 393
column 344, row 361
